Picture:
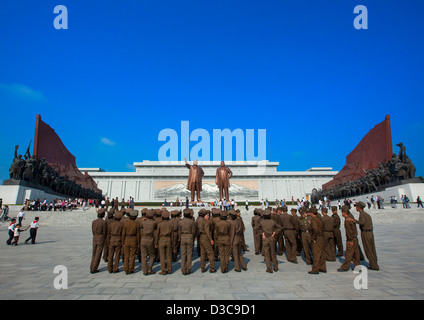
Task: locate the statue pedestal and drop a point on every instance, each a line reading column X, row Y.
column 17, row 191
column 412, row 190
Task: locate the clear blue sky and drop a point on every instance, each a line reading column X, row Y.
column 125, row 70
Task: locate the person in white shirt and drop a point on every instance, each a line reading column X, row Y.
column 11, row 230
column 33, row 230
column 17, row 233
column 21, row 216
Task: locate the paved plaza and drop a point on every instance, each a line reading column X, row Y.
column 64, row 238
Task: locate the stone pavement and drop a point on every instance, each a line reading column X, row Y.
column 64, row 238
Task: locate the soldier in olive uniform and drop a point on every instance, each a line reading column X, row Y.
column 130, row 241
column 257, row 238
column 175, row 219
column 186, row 234
column 328, row 228
column 305, row 234
column 164, row 243
column 114, row 235
column 352, row 247
column 367, row 235
column 319, row 264
column 223, row 231
column 147, row 242
column 336, row 231
column 268, row 228
column 236, row 242
column 99, row 231
column 289, row 225
column 205, row 241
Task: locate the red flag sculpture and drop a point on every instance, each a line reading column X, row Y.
column 49, row 146
column 374, row 148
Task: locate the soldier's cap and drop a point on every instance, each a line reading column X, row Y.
column 293, row 210
column 345, row 209
column 279, row 209
column 128, row 210
column 333, row 208
column 360, row 204
column 257, row 211
column 202, row 212
column 188, row 211
column 144, row 210
column 101, row 212
column 223, row 213
column 232, row 212
column 158, row 212
column 216, row 211
column 308, row 210
column 314, row 210
column 284, row 208
column 324, row 209
column 238, row 211
column 150, row 213
column 133, row 213
column 266, row 213
column 175, row 213
column 165, row 214
column 112, row 210
column 302, row 210
column 118, row 215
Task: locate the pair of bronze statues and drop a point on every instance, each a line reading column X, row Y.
column 195, row 175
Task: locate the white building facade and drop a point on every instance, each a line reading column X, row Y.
column 156, row 181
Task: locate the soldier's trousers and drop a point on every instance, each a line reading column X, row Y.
column 237, row 255
column 307, row 246
column 367, row 238
column 98, row 246
column 338, row 241
column 279, row 242
column 165, row 254
column 175, row 246
column 223, row 243
column 268, row 249
column 329, row 248
column 351, row 255
column 257, row 240
column 147, row 249
column 319, row 256
column 291, row 244
column 186, row 252
column 206, row 250
column 114, row 255
column 130, row 251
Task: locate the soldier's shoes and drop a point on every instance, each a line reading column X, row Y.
column 269, row 270
column 94, row 271
column 163, row 273
column 323, row 271
column 313, row 272
column 257, row 253
column 275, row 269
column 341, row 270
column 293, row 261
column 212, row 270
column 237, row 270
column 244, row 269
column 151, row 272
column 204, row 270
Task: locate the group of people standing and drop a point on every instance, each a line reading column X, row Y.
column 318, row 236
column 158, row 235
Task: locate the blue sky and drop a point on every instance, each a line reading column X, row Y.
column 125, row 70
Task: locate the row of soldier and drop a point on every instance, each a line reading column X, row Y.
column 158, row 235
column 318, row 236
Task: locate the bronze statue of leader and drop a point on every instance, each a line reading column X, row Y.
column 194, row 183
column 222, row 180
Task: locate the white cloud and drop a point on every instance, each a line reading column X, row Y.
column 107, row 141
column 22, row 91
